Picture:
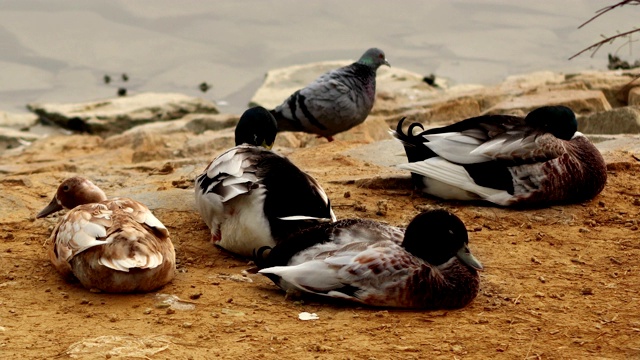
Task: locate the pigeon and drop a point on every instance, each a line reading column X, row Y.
column 336, row 101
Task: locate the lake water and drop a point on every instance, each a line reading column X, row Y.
column 59, row 51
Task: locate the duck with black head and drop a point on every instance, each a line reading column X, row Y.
column 537, row 160
column 426, row 266
column 251, row 197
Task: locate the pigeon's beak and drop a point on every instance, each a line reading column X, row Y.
column 386, row 62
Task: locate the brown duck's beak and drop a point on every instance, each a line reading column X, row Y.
column 49, row 209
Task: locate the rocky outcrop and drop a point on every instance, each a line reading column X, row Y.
column 112, row 116
column 404, row 94
column 157, row 126
column 623, row 120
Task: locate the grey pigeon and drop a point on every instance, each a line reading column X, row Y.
column 334, row 102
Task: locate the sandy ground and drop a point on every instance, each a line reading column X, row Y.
column 559, row 283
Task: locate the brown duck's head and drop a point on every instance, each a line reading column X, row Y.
column 71, row 193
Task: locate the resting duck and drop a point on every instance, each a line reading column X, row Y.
column 250, row 196
column 426, row 266
column 507, row 160
column 114, row 245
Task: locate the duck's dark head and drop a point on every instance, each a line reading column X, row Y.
column 557, row 120
column 71, row 193
column 374, row 58
column 438, row 235
column 256, row 127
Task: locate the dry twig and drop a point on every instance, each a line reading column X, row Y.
column 595, row 47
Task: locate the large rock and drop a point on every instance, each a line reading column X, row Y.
column 17, row 120
column 613, row 84
column 116, row 115
column 581, row 101
column 12, row 139
column 625, row 120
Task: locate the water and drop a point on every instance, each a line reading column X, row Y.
column 59, row 51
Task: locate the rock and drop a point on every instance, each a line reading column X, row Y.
column 17, row 120
column 581, row 101
column 620, row 148
column 384, row 153
column 634, row 96
column 440, row 111
column 11, row 138
column 115, row 115
column 532, row 80
column 624, row 120
column 613, row 84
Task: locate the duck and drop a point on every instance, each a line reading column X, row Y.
column 334, row 102
column 428, row 265
column 111, row 245
column 533, row 161
column 251, row 197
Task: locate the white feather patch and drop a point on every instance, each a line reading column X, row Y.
column 451, row 174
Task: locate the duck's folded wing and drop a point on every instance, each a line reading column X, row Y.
column 458, row 147
column 140, row 213
column 229, row 175
column 131, row 246
column 315, row 276
column 82, row 228
column 456, row 176
column 350, row 274
column 519, row 148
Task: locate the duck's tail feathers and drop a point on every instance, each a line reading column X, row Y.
column 407, row 139
column 414, row 145
column 260, row 258
column 457, row 176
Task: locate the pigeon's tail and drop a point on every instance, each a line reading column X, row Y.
column 285, row 124
column 413, row 144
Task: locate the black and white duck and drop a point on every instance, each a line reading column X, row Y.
column 535, row 160
column 251, row 197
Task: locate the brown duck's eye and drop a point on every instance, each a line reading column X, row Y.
column 65, row 188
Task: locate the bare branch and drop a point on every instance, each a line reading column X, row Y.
column 606, row 9
column 597, row 45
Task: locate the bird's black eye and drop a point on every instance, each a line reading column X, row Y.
column 65, row 188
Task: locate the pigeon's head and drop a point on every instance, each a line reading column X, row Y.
column 374, row 57
column 256, row 127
